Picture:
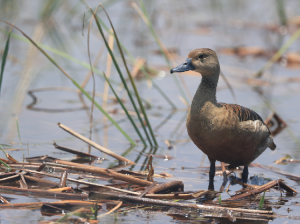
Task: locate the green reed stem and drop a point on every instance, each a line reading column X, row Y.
column 142, row 68
column 122, row 77
column 4, row 163
column 126, row 111
column 132, row 82
column 5, row 53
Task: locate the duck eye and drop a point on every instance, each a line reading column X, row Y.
column 201, row 56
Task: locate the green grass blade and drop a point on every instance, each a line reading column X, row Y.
column 76, row 84
column 5, row 164
column 4, row 59
column 220, row 199
column 132, row 81
column 19, row 136
column 133, row 59
column 262, row 200
column 93, row 78
column 126, row 111
column 104, row 112
column 281, row 12
column 121, row 75
column 279, row 53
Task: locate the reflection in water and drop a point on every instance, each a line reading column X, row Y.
column 164, row 121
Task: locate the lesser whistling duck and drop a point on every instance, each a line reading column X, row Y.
column 228, row 133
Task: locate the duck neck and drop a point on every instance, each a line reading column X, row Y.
column 206, row 91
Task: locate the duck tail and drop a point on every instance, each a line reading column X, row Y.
column 272, row 146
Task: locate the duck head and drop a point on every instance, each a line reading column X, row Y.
column 202, row 60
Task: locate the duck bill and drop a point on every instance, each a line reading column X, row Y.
column 186, row 66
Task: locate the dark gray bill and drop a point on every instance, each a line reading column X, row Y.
column 186, row 66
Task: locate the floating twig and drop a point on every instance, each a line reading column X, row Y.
column 240, row 211
column 85, row 182
column 41, row 193
column 168, row 186
column 106, row 172
column 95, row 145
column 147, row 189
column 60, row 189
column 10, row 179
column 40, row 181
column 63, row 179
column 82, row 154
column 114, row 209
column 261, row 189
column 22, row 182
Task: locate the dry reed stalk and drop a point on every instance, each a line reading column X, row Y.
column 111, row 211
column 69, row 163
column 63, row 179
column 29, row 205
column 95, row 145
column 41, row 181
column 85, row 182
column 103, row 171
column 11, row 158
column 147, row 189
column 41, row 193
column 4, row 201
column 261, row 189
column 3, row 175
column 181, row 205
column 22, row 181
column 66, row 203
column 10, row 179
column 167, row 142
column 137, row 66
column 184, row 101
column 82, row 154
column 29, row 72
column 61, row 189
column 34, row 166
column 171, row 186
column 170, row 196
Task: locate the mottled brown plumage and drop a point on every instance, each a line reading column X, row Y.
column 225, row 132
column 243, row 113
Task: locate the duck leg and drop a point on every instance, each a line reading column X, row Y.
column 225, row 180
column 245, row 174
column 212, row 171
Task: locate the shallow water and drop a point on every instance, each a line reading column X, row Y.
column 183, row 25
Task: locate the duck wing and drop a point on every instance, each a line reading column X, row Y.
column 243, row 113
column 246, row 114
